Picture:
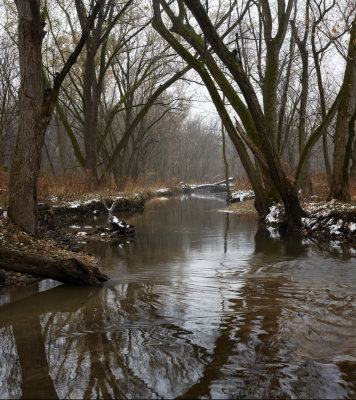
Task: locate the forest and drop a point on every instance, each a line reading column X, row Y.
column 113, row 112
column 114, row 83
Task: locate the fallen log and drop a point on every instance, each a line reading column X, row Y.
column 209, row 187
column 223, row 182
column 69, row 270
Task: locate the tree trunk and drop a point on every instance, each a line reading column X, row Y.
column 32, row 124
column 265, row 125
column 90, row 104
column 305, row 181
column 68, row 270
column 340, row 186
column 228, row 191
column 36, row 103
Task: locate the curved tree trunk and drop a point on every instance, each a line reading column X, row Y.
column 262, row 126
column 345, row 127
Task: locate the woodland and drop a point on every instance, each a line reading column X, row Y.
column 115, row 90
column 120, row 120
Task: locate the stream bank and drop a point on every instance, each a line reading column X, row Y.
column 209, row 298
column 332, row 221
column 326, row 221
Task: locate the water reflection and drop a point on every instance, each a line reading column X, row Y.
column 202, row 305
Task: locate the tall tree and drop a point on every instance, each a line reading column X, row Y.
column 302, row 133
column 36, row 104
column 93, row 81
column 259, row 130
column 345, row 126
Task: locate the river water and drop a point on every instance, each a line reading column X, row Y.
column 201, row 304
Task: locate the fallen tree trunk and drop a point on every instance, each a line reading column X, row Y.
column 223, row 182
column 210, row 187
column 69, row 270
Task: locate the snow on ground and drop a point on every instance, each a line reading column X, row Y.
column 114, row 219
column 162, row 191
column 274, row 215
column 242, row 195
column 326, row 220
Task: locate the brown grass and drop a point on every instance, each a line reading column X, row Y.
column 321, row 187
column 76, row 186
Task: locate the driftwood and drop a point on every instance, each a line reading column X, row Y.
column 121, row 228
column 207, row 187
column 69, row 270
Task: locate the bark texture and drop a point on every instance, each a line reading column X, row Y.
column 32, row 124
column 345, row 126
column 263, row 127
column 36, row 103
column 68, row 270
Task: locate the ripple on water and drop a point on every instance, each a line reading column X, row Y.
column 200, row 306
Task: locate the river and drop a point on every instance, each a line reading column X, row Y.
column 201, row 304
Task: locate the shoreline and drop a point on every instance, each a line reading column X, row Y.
column 327, row 222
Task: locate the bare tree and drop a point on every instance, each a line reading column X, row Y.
column 261, row 124
column 36, row 104
column 8, row 100
column 345, row 125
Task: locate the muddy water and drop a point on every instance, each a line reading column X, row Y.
column 201, row 304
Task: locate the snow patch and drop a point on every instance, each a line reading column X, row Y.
column 334, row 229
column 115, row 220
column 165, row 190
column 81, row 233
column 273, row 232
column 273, row 215
column 242, row 195
column 352, row 226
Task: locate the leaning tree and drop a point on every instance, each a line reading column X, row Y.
column 208, row 48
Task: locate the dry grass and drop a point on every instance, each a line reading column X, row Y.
column 243, row 208
column 242, row 183
column 321, row 187
column 77, row 186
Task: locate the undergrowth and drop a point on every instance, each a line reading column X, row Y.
column 77, row 186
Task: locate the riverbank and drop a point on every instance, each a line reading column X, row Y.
column 332, row 220
column 55, row 214
column 52, row 239
column 327, row 221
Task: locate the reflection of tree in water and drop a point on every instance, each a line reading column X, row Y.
column 35, row 381
column 10, row 379
column 245, row 347
column 255, row 354
column 137, row 340
column 119, row 347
